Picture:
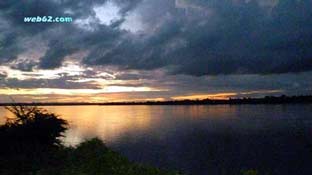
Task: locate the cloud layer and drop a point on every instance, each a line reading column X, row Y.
column 187, row 37
column 194, row 39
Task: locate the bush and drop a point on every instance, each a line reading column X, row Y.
column 33, row 125
column 92, row 157
column 30, row 139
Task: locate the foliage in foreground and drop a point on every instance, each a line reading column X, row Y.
column 94, row 158
column 31, row 144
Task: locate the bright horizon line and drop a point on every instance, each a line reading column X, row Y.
column 124, row 97
column 140, row 102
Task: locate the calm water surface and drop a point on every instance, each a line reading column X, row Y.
column 200, row 139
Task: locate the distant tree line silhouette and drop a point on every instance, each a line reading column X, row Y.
column 283, row 99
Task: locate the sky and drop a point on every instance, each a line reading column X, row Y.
column 138, row 50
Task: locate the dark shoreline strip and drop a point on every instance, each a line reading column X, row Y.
column 237, row 101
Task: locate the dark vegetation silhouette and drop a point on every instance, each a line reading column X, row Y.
column 30, row 139
column 33, row 125
column 31, row 144
column 283, row 99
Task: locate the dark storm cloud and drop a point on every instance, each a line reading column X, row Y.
column 62, row 39
column 9, row 48
column 225, row 83
column 12, row 26
column 186, row 37
column 235, row 37
column 60, row 83
column 26, row 66
column 134, row 76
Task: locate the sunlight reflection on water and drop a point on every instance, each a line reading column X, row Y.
column 110, row 122
column 196, row 139
column 113, row 122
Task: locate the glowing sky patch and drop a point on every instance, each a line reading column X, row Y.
column 205, row 96
column 107, row 13
column 85, row 23
column 70, row 70
column 47, row 91
column 133, row 23
column 224, row 96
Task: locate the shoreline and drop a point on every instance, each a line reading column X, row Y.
column 239, row 101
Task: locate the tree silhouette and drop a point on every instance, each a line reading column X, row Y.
column 35, row 125
column 30, row 139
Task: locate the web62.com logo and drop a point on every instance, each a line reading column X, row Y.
column 47, row 19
